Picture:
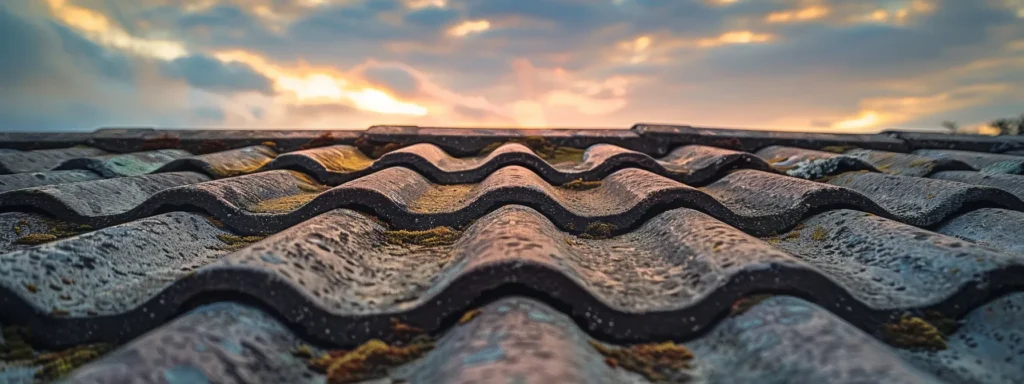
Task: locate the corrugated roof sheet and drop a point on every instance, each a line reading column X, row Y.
column 657, row 254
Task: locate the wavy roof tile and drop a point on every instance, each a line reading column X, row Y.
column 434, row 255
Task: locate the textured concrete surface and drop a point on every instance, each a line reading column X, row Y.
column 692, row 165
column 129, row 164
column 42, row 160
column 892, row 265
column 38, row 179
column 97, row 198
column 114, row 269
column 218, row 343
column 646, row 235
column 987, row 348
column 811, row 164
column 1009, row 183
column 984, row 162
column 342, row 275
column 923, row 202
column 754, row 201
column 780, row 340
column 222, row 164
column 904, row 164
column 994, row 227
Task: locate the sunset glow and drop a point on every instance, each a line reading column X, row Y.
column 815, row 65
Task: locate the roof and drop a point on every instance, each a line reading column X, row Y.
column 655, row 254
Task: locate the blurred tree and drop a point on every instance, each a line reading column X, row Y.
column 1009, row 126
column 952, row 126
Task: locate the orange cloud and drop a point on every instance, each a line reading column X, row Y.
column 735, row 37
column 469, row 27
column 884, row 112
column 98, row 28
column 324, row 86
column 304, row 85
column 810, row 13
column 659, row 49
column 418, row 4
column 896, row 16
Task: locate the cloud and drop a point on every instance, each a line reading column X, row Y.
column 100, row 28
column 785, row 64
column 888, row 111
column 109, row 64
column 469, row 27
column 206, row 72
column 305, row 85
column 813, row 12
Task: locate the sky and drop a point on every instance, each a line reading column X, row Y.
column 844, row 66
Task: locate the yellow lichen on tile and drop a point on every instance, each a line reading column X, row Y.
column 442, row 198
column 35, row 239
column 543, row 148
column 469, row 316
column 16, row 350
column 57, row 364
column 819, row 234
column 303, row 351
column 19, row 227
column 564, row 155
column 283, row 204
column 920, row 162
column 430, row 237
column 238, row 242
column 15, row 346
column 658, row 362
column 580, row 185
column 56, row 229
column 914, row 332
column 598, row 230
column 216, row 222
column 837, row 148
column 370, row 360
column 347, row 161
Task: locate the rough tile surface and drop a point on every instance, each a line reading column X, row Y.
column 523, row 256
